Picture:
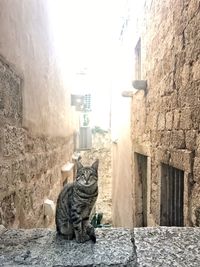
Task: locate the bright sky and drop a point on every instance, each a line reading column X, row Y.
column 87, row 36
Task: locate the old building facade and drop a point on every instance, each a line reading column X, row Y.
column 165, row 117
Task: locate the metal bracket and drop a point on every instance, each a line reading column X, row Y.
column 140, row 84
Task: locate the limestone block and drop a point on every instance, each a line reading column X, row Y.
column 168, row 62
column 178, row 139
column 67, row 167
column 196, row 70
column 168, row 83
column 49, row 208
column 192, row 29
column 41, row 164
column 161, row 121
column 169, row 102
column 5, row 174
column 166, row 138
column 10, row 94
column 192, row 49
column 196, row 170
column 66, row 170
column 195, row 209
column 162, row 155
column 190, row 139
column 182, row 159
column 176, row 122
column 178, row 42
column 7, row 209
column 30, row 165
column 185, row 76
column 169, row 120
column 13, row 141
column 185, row 119
column 198, row 145
column 193, row 8
column 19, row 171
column 151, row 120
column 195, row 114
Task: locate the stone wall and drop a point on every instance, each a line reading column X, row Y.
column 101, row 149
column 30, row 166
column 166, row 118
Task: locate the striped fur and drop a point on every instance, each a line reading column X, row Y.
column 75, row 203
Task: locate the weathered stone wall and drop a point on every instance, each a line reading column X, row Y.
column 101, row 149
column 30, row 166
column 166, row 119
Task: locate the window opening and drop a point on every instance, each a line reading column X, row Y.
column 172, row 189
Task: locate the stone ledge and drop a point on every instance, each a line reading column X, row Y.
column 42, row 247
column 167, row 246
column 158, row 246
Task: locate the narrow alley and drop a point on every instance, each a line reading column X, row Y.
column 117, row 81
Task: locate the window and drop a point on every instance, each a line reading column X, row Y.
column 172, row 188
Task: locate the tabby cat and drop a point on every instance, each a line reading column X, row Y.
column 75, row 203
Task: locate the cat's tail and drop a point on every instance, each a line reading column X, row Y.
column 91, row 232
column 93, row 238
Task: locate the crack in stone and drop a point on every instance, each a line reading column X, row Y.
column 134, row 248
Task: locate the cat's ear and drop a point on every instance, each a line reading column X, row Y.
column 95, row 165
column 79, row 165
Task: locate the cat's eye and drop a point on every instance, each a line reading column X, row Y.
column 93, row 177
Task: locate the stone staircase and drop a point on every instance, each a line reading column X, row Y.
column 154, row 247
